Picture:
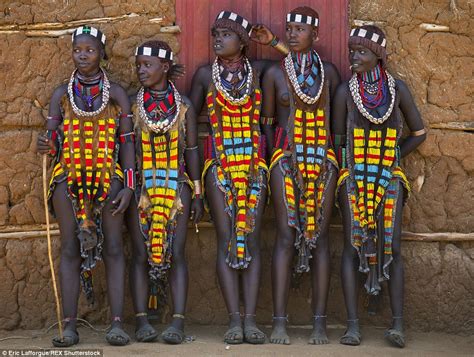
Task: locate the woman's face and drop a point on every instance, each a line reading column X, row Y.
column 151, row 72
column 300, row 36
column 362, row 59
column 86, row 54
column 226, row 43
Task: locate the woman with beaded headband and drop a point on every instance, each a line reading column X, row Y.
column 235, row 173
column 303, row 172
column 86, row 118
column 170, row 189
column 372, row 187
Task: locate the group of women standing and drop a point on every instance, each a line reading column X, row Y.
column 289, row 124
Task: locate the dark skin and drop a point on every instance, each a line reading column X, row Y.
column 86, row 53
column 276, row 99
column 153, row 73
column 227, row 45
column 362, row 60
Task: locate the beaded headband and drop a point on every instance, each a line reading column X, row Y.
column 303, row 19
column 372, row 36
column 155, row 52
column 89, row 30
column 237, row 19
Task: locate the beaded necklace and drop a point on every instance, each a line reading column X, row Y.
column 159, row 114
column 306, row 64
column 231, row 91
column 363, row 101
column 373, row 88
column 295, row 82
column 88, row 90
column 105, row 96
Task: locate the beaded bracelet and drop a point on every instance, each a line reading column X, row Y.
column 279, row 46
column 53, row 136
column 129, row 179
column 418, row 132
column 267, row 120
column 127, row 137
column 197, row 188
column 54, row 117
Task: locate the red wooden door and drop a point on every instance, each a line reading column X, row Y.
column 195, row 18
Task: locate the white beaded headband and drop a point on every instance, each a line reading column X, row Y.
column 372, row 36
column 89, row 30
column 303, row 19
column 155, row 52
column 236, row 18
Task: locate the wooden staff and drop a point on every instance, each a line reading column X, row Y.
column 50, row 254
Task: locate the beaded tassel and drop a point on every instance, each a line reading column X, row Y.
column 237, row 142
column 160, row 176
column 85, row 156
column 310, row 140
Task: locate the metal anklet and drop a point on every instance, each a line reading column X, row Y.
column 280, row 318
column 315, row 317
column 140, row 314
column 397, row 317
column 178, row 316
column 234, row 313
column 354, row 320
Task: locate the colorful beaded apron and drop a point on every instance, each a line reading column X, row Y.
column 372, row 179
column 160, row 160
column 238, row 165
column 304, row 156
column 88, row 162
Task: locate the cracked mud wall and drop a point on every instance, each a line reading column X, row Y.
column 437, row 67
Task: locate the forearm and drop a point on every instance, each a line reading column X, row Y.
column 191, row 157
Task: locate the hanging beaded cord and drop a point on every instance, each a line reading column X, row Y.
column 369, row 91
column 159, row 111
column 81, row 152
column 302, row 75
column 375, row 165
column 237, row 137
column 105, row 95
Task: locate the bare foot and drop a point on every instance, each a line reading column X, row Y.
column 319, row 336
column 279, row 334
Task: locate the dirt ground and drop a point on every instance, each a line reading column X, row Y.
column 208, row 342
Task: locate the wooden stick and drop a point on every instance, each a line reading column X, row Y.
column 50, row 254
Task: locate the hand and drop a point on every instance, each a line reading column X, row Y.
column 121, row 201
column 176, row 72
column 261, row 34
column 44, row 145
column 197, row 210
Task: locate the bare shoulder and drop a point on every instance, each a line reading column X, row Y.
column 402, row 86
column 275, row 69
column 59, row 91
column 116, row 90
column 330, row 70
column 186, row 100
column 342, row 89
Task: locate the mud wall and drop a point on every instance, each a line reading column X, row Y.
column 437, row 65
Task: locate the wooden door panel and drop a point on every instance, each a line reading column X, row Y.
column 195, row 18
